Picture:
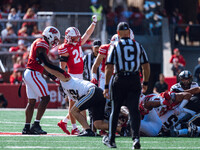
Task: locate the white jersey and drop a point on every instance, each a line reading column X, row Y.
column 177, row 87
column 76, row 88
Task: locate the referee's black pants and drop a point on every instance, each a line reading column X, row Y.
column 126, row 91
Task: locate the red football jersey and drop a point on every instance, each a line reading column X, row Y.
column 103, row 50
column 75, row 59
column 32, row 63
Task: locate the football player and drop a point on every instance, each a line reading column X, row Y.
column 173, row 103
column 71, row 56
column 86, row 96
column 36, row 86
column 101, row 59
column 185, row 83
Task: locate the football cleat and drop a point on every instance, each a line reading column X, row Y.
column 87, row 132
column 108, row 143
column 26, row 131
column 75, row 132
column 36, row 129
column 63, row 126
column 136, row 144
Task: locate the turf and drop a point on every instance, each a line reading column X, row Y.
column 12, row 122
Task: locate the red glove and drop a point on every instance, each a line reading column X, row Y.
column 94, row 81
column 66, row 75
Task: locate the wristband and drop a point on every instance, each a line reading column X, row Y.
column 94, row 75
column 145, row 83
column 94, row 23
column 106, row 87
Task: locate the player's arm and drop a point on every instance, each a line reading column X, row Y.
column 95, row 66
column 182, row 98
column 152, row 104
column 89, row 30
column 146, row 74
column 63, row 60
column 43, row 58
column 195, row 90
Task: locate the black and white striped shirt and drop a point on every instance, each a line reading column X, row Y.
column 127, row 55
column 89, row 60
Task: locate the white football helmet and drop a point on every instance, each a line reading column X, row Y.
column 72, row 35
column 131, row 34
column 52, row 34
column 114, row 38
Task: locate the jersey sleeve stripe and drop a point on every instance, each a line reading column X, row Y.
column 42, row 45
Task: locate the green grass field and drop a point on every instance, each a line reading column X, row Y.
column 12, row 121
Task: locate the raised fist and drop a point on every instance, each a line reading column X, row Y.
column 94, row 18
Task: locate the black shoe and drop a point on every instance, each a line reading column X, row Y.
column 36, row 129
column 136, row 144
column 126, row 131
column 108, row 143
column 26, row 131
column 87, row 132
column 173, row 132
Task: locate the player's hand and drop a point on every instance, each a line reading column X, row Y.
column 144, row 88
column 106, row 93
column 94, row 81
column 94, row 18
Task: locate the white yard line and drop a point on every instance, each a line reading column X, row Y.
column 44, row 147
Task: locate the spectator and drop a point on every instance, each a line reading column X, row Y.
column 110, row 21
column 196, row 72
column 36, row 33
column 3, row 101
column 136, row 21
column 29, row 15
column 20, row 48
column 19, row 65
column 8, row 35
column 23, row 33
column 14, row 16
column 176, row 68
column 16, row 76
column 97, row 9
column 161, row 85
column 177, row 55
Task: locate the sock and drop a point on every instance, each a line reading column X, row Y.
column 37, row 122
column 74, row 126
column 183, row 132
column 27, row 125
column 65, row 120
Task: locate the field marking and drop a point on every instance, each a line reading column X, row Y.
column 41, row 147
column 23, row 109
column 95, row 141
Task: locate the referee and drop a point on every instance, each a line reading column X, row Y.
column 89, row 60
column 126, row 56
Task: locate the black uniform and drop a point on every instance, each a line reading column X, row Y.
column 127, row 57
column 89, row 60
